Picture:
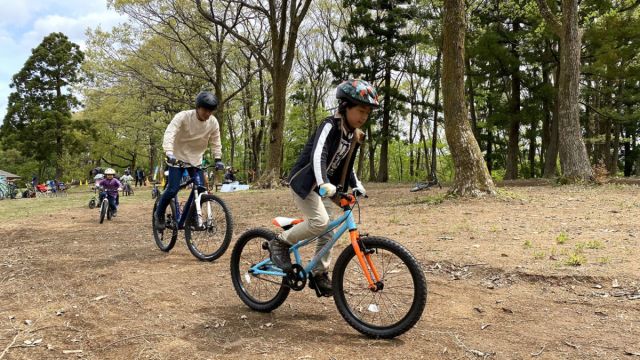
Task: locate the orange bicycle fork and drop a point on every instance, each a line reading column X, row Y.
column 364, row 258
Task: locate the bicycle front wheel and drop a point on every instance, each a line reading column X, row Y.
column 398, row 303
column 260, row 292
column 166, row 238
column 210, row 239
column 104, row 206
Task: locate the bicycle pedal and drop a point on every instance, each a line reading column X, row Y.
column 312, row 284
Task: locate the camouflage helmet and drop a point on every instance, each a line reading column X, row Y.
column 357, row 91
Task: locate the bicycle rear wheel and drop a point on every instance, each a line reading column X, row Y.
column 263, row 293
column 393, row 309
column 209, row 241
column 104, row 205
column 165, row 239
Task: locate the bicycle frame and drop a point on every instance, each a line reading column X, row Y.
column 194, row 195
column 342, row 224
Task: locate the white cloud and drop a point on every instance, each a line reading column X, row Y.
column 24, row 23
column 74, row 28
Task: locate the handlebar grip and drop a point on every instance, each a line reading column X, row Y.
column 322, row 192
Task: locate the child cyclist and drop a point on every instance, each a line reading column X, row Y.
column 321, row 165
column 111, row 185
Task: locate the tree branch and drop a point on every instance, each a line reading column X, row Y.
column 549, row 17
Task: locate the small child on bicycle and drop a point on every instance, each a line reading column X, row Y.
column 326, row 162
column 185, row 141
column 126, row 179
column 111, row 185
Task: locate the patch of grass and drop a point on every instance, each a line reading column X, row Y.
column 527, row 244
column 576, row 259
column 44, row 206
column 603, row 260
column 510, row 195
column 579, row 248
column 539, row 255
column 562, row 238
column 594, row 244
column 431, row 199
column 394, row 220
column 493, row 228
column 553, row 250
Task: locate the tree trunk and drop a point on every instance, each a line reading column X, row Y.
column 434, row 136
column 551, row 157
column 383, row 169
column 628, row 154
column 573, row 153
column 514, row 122
column 472, row 100
column 276, row 131
column 471, row 174
column 532, row 148
column 372, row 155
column 613, row 164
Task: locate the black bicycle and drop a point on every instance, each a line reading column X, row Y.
column 205, row 219
column 426, row 185
column 105, row 207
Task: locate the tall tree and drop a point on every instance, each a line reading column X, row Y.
column 381, row 41
column 38, row 119
column 471, row 174
column 284, row 19
column 573, row 152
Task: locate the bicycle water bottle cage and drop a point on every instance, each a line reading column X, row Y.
column 285, row 223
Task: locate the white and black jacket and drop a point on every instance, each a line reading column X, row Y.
column 323, row 159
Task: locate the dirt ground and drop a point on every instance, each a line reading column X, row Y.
column 501, row 285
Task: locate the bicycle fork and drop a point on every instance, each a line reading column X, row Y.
column 364, row 258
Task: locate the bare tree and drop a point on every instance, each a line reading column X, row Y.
column 284, row 18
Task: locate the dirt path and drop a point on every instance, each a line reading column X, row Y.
column 499, row 283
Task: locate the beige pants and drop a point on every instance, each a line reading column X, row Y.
column 316, row 212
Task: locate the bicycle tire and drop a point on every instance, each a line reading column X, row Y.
column 103, row 209
column 407, row 265
column 250, row 245
column 92, row 203
column 220, row 244
column 159, row 236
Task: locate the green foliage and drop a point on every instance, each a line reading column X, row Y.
column 594, row 244
column 576, row 259
column 562, row 238
column 38, row 122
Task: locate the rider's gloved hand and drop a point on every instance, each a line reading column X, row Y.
column 219, row 164
column 171, row 160
column 327, row 190
column 359, row 190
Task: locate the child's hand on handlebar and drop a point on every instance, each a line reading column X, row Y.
column 327, row 190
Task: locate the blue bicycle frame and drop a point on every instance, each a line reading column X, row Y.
column 266, row 267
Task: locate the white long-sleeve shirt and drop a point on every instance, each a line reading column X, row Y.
column 187, row 137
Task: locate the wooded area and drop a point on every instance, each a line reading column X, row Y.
column 514, row 89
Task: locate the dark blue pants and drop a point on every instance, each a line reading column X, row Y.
column 114, row 200
column 173, row 186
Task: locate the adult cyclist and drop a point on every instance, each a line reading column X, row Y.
column 185, row 141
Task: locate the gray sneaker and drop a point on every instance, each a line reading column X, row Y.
column 159, row 222
column 279, row 253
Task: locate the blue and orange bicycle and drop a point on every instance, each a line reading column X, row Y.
column 379, row 286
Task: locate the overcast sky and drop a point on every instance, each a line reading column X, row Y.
column 24, row 23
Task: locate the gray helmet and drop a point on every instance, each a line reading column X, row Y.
column 206, row 100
